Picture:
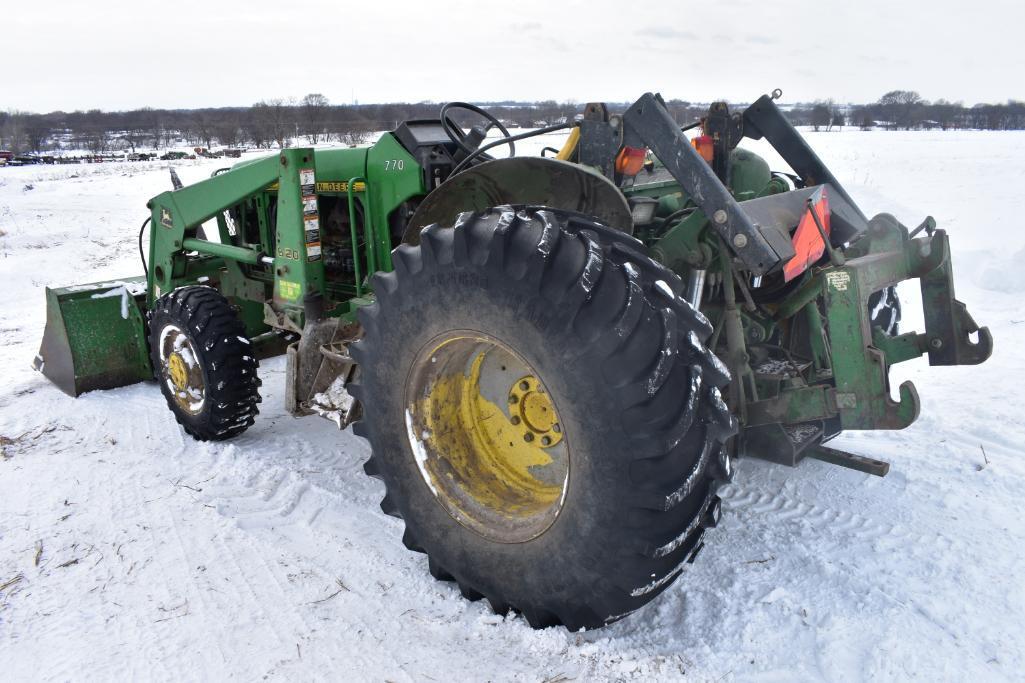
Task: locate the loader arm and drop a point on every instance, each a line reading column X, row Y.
column 177, row 214
column 648, row 124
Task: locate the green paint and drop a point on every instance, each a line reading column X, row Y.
column 265, row 262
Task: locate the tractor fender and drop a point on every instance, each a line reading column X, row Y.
column 533, row 181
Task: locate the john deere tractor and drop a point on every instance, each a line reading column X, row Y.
column 556, row 361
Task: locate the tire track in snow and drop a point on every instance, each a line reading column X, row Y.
column 839, row 528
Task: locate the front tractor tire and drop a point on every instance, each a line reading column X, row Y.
column 543, row 413
column 204, row 363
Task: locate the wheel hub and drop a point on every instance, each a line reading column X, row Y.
column 178, row 372
column 535, row 412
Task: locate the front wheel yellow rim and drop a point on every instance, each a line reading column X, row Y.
column 487, row 436
column 180, row 370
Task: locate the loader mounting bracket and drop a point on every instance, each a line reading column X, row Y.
column 849, row 388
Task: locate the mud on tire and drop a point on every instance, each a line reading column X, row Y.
column 621, row 353
column 220, row 392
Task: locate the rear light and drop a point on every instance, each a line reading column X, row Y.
column 630, row 160
column 705, row 147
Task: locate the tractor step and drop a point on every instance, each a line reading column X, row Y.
column 319, row 368
column 337, row 351
column 779, row 369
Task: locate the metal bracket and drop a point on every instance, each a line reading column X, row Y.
column 851, row 461
column 764, row 119
column 647, row 123
column 948, row 325
column 600, row 139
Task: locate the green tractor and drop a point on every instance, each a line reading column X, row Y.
column 556, row 361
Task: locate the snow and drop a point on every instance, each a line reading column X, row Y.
column 138, row 553
column 121, row 292
column 334, row 402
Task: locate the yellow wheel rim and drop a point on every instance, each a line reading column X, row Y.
column 180, row 370
column 486, row 436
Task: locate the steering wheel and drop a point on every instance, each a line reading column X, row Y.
column 456, row 134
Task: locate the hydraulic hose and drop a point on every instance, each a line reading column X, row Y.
column 142, row 254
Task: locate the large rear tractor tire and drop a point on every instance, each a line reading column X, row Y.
column 543, row 413
column 204, row 363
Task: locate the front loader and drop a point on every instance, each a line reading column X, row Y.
column 556, row 361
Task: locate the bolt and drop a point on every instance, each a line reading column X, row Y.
column 740, row 240
column 936, row 343
column 720, row 216
column 546, row 441
column 515, row 419
column 528, row 437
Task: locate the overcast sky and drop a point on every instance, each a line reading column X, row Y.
column 60, row 54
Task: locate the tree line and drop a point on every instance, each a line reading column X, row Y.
column 906, row 110
column 276, row 122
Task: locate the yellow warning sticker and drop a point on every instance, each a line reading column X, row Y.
column 289, row 290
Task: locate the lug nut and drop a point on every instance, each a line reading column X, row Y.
column 515, row 419
column 524, row 385
column 546, row 441
column 556, row 428
column 528, row 437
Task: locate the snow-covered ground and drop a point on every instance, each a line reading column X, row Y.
column 128, row 551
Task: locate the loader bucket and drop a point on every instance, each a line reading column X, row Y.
column 95, row 336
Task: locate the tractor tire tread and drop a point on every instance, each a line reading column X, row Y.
column 648, row 349
column 226, row 356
